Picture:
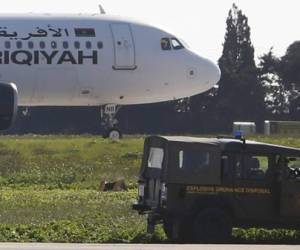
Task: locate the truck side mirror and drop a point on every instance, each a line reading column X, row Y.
column 8, row 104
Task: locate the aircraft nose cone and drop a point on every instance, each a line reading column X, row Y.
column 213, row 73
column 203, row 74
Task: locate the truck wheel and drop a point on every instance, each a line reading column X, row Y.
column 212, row 226
column 168, row 228
column 113, row 134
column 178, row 230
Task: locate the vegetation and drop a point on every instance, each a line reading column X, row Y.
column 281, row 80
column 49, row 192
column 240, row 95
column 33, row 215
column 67, row 162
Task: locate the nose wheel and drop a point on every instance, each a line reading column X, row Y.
column 114, row 134
column 109, row 121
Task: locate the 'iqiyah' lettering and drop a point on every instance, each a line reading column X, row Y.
column 24, row 57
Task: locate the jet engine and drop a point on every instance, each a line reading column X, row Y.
column 8, row 104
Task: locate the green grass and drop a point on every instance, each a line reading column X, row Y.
column 49, row 191
column 67, row 162
column 71, row 216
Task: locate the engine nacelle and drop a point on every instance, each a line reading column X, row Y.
column 8, row 104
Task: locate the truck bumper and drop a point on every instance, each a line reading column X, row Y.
column 141, row 208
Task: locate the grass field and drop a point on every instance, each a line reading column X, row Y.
column 67, row 162
column 49, row 191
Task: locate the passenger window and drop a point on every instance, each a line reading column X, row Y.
column 53, row 45
column 252, row 167
column 193, row 159
column 294, row 162
column 30, row 45
column 257, row 167
column 65, row 45
column 155, row 159
column 165, row 44
column 100, row 45
column 88, row 45
column 263, row 162
column 176, row 44
column 7, row 45
column 42, row 44
column 19, row 44
column 77, row 45
column 292, row 167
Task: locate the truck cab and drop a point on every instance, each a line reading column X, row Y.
column 200, row 188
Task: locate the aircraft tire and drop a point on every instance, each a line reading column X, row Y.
column 113, row 134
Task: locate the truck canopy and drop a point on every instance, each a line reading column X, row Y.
column 230, row 144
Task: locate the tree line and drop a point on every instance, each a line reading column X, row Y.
column 247, row 91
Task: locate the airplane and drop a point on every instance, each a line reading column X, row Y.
column 97, row 60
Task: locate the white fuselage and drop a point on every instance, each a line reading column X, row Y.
column 95, row 60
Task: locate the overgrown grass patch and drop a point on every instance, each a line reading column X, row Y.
column 71, row 216
column 67, row 162
column 266, row 236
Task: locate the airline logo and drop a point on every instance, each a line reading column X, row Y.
column 24, row 57
column 38, row 32
column 46, row 32
column 37, row 57
column 85, row 32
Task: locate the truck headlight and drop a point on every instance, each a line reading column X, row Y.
column 141, row 190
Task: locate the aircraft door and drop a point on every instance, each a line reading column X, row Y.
column 123, row 47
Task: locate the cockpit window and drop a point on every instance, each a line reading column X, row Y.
column 169, row 44
column 165, row 44
column 176, row 44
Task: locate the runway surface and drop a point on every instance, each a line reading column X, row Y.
column 50, row 246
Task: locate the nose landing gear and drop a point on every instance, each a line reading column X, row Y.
column 109, row 121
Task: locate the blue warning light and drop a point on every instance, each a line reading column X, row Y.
column 238, row 135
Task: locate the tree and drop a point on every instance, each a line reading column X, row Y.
column 276, row 95
column 240, row 94
column 290, row 74
column 281, row 78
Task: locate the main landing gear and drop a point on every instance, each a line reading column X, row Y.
column 109, row 121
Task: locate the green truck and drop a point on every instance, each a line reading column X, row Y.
column 200, row 188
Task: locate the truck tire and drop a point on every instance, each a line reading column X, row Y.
column 178, row 230
column 212, row 226
column 168, row 228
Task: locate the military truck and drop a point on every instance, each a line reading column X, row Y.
column 200, row 188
